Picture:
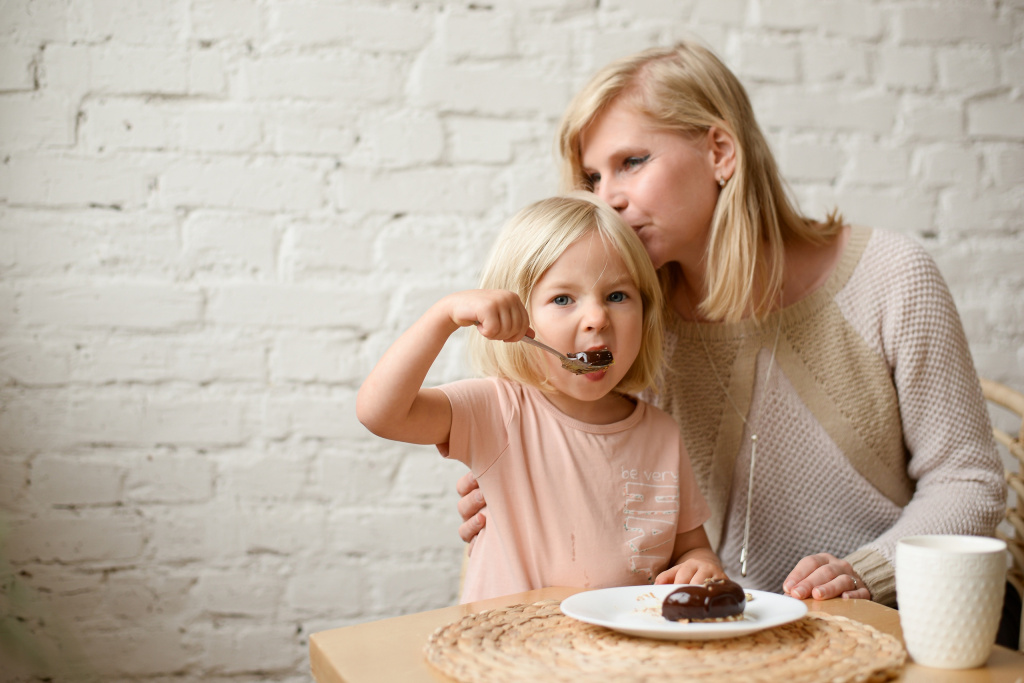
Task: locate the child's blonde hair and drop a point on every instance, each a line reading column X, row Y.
column 687, row 89
column 527, row 246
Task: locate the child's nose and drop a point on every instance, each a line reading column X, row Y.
column 595, row 316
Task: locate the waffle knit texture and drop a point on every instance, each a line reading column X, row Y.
column 871, row 425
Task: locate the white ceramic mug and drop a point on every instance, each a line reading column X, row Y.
column 950, row 595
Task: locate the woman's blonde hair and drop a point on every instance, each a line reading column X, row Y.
column 687, row 89
column 527, row 246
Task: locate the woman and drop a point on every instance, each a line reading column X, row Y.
column 819, row 372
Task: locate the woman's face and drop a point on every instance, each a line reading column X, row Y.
column 662, row 183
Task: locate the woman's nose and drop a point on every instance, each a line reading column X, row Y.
column 612, row 194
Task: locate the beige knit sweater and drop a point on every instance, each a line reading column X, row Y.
column 871, row 425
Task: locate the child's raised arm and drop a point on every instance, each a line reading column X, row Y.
column 392, row 402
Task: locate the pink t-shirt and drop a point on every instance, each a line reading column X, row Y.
column 568, row 503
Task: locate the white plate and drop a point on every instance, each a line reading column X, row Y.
column 636, row 611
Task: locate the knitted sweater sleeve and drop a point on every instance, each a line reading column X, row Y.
column 951, row 454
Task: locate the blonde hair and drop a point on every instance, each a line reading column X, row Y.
column 527, row 246
column 687, row 89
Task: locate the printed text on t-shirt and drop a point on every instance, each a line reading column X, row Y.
column 651, row 512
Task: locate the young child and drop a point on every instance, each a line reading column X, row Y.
column 551, row 448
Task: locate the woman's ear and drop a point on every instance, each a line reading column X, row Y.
column 722, row 148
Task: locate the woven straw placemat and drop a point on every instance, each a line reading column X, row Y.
column 538, row 643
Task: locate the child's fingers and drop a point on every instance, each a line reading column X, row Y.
column 705, row 572
column 667, row 576
column 499, row 315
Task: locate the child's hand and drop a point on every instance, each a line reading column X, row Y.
column 691, row 571
column 497, row 313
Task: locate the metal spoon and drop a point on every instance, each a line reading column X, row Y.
column 577, row 363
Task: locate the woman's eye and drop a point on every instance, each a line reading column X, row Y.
column 617, row 297
column 561, row 300
column 633, row 162
column 592, row 179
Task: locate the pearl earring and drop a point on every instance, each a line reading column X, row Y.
column 721, row 181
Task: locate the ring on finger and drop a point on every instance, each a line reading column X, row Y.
column 855, row 585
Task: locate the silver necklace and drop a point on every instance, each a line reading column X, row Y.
column 744, row 554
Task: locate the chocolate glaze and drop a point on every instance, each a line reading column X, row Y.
column 587, row 361
column 716, row 599
column 599, row 358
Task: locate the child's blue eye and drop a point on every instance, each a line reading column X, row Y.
column 617, row 297
column 561, row 300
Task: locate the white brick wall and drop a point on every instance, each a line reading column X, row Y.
column 216, row 214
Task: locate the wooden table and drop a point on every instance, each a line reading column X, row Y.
column 392, row 649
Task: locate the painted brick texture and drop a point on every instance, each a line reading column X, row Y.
column 216, row 214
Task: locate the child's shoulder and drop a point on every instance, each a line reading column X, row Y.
column 653, row 413
column 485, row 388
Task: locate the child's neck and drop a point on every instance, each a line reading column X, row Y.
column 612, row 407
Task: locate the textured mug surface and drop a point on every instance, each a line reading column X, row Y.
column 950, row 595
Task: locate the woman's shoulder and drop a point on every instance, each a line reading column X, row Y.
column 897, row 242
column 812, row 266
column 895, row 279
column 897, row 258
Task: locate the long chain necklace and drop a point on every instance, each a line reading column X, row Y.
column 744, row 554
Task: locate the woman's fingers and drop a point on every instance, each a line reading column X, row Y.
column 470, row 504
column 471, row 527
column 466, row 483
column 824, row 576
column 859, row 590
column 795, row 583
column 842, row 586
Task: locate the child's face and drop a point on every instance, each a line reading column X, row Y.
column 587, row 301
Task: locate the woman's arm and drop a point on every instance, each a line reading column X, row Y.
column 392, row 403
column 944, row 419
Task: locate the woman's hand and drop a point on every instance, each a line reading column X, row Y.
column 470, row 504
column 824, row 576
